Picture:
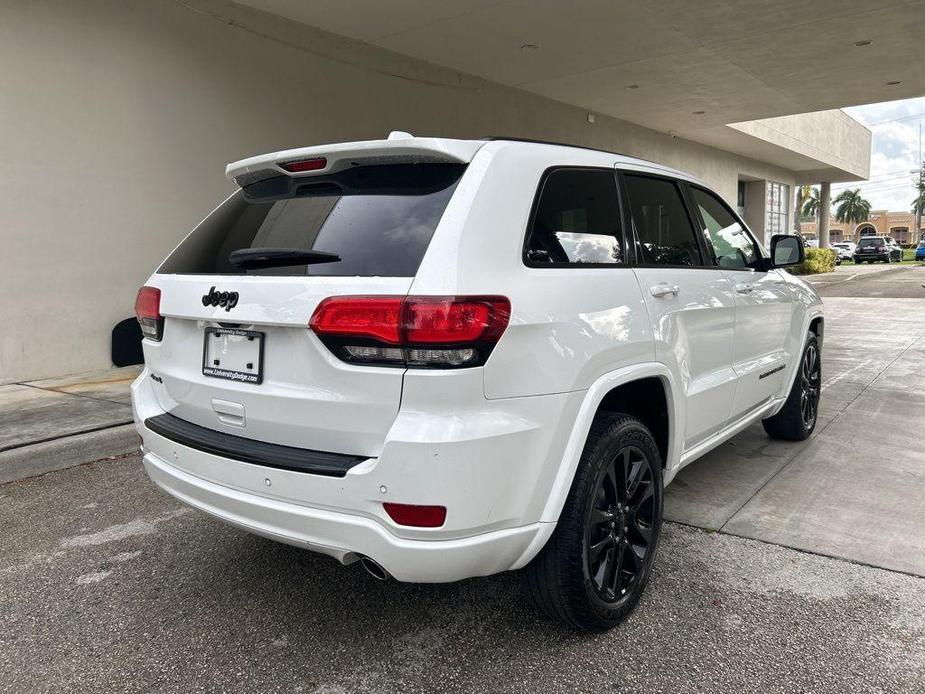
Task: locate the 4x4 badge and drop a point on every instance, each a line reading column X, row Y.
column 228, row 300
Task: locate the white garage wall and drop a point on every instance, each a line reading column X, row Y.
column 117, row 118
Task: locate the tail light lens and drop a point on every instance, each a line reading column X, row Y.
column 419, row 331
column 416, row 516
column 148, row 312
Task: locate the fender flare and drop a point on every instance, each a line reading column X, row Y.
column 558, row 493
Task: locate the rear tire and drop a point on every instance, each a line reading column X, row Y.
column 797, row 419
column 595, row 566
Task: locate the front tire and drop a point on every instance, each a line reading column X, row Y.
column 797, row 419
column 594, row 569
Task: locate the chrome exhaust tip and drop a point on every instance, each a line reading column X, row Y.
column 374, row 569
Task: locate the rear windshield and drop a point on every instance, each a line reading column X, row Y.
column 378, row 219
column 870, row 242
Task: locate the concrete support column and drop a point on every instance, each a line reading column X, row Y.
column 825, row 208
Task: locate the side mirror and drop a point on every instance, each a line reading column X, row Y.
column 786, row 250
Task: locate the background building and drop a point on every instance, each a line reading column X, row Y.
column 119, row 117
column 899, row 225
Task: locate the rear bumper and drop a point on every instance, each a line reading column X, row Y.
column 490, row 463
column 345, row 536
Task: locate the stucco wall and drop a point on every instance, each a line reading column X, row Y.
column 118, row 117
column 831, row 137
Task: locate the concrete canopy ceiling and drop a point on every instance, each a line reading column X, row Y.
column 655, row 62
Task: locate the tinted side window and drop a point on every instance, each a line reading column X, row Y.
column 732, row 246
column 664, row 235
column 577, row 220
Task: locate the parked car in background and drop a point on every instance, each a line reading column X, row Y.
column 873, row 249
column 920, row 251
column 811, row 243
column 450, row 358
column 845, row 249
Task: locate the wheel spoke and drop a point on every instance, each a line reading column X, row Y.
column 600, row 516
column 634, row 477
column 643, row 530
column 635, row 559
column 614, row 582
column 627, row 467
column 610, row 481
column 610, row 568
column 594, row 552
column 645, row 493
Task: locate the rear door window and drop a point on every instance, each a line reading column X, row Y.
column 576, row 220
column 379, row 220
column 663, row 230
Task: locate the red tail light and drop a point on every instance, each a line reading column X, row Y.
column 427, row 331
column 374, row 317
column 304, row 165
column 449, row 320
column 148, row 312
column 416, row 516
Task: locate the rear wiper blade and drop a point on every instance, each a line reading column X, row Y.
column 254, row 258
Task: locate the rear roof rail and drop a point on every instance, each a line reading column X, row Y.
column 504, row 138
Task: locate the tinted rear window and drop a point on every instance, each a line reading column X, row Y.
column 378, row 219
column 870, row 242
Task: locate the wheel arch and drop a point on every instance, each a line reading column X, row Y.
column 817, row 327
column 608, row 392
column 647, row 399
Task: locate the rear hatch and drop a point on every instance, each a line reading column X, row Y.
column 236, row 353
column 870, row 247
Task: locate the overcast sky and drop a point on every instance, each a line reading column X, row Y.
column 895, row 128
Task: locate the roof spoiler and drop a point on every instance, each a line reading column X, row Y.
column 399, row 148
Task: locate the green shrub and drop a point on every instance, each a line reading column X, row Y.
column 817, row 260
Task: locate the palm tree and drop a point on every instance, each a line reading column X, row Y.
column 851, row 208
column 918, row 205
column 802, row 194
column 810, row 202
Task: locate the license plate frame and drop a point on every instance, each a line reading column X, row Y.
column 210, row 368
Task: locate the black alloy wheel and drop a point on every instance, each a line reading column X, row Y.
column 796, row 420
column 593, row 570
column 810, row 384
column 618, row 532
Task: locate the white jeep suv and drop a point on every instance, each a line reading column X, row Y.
column 448, row 358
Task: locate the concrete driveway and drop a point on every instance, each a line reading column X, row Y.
column 785, row 567
column 856, row 489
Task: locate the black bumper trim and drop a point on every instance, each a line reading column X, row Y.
column 249, row 451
